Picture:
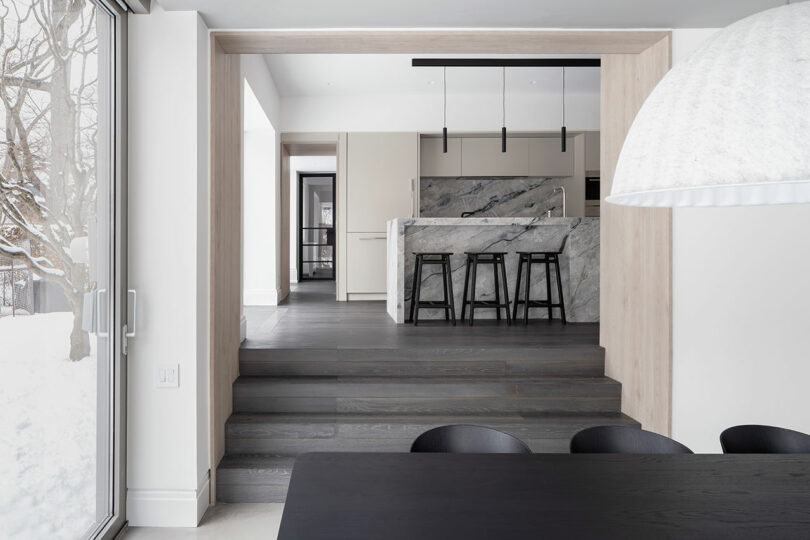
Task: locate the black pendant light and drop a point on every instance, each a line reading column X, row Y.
column 562, row 131
column 444, row 129
column 503, row 113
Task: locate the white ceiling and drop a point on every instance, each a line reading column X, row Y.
column 471, row 13
column 353, row 74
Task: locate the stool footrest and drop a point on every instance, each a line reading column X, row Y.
column 487, row 303
column 433, row 304
column 538, row 303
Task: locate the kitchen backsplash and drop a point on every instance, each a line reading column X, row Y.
column 489, row 197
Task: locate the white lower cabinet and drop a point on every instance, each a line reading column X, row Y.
column 366, row 263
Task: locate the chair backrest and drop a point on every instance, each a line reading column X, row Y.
column 467, row 439
column 624, row 440
column 754, row 439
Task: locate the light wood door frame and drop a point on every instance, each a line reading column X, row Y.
column 636, row 246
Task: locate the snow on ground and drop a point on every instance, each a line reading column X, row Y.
column 47, row 430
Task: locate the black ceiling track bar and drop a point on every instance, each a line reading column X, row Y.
column 506, row 62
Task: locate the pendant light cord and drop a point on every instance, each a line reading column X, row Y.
column 503, row 97
column 563, row 95
column 444, row 86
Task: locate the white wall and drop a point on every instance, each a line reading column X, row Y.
column 261, row 184
column 259, row 208
column 465, row 112
column 740, row 316
column 168, row 428
column 303, row 164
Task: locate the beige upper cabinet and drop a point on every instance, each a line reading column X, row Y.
column 382, row 172
column 434, row 162
column 482, row 156
column 592, row 151
column 546, row 157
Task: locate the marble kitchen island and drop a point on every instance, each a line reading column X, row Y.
column 579, row 263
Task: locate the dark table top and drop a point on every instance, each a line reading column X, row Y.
column 386, row 496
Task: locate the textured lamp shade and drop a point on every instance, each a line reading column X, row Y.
column 729, row 126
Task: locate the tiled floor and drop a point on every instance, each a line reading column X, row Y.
column 221, row 522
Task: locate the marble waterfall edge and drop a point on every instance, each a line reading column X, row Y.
column 579, row 263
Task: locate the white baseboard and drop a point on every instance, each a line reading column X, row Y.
column 262, row 297
column 242, row 329
column 167, row 508
column 293, row 275
column 367, row 296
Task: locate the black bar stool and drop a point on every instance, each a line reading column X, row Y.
column 448, row 303
column 548, row 258
column 496, row 259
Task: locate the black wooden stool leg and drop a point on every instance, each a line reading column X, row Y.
column 450, row 289
column 548, row 290
column 472, row 289
column 560, row 288
column 446, row 300
column 517, row 286
column 497, row 288
column 505, row 292
column 413, row 288
column 417, row 291
column 527, row 292
column 466, row 289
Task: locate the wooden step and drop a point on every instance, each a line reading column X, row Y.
column 260, row 448
column 253, row 478
column 294, row 434
column 370, row 395
column 560, row 361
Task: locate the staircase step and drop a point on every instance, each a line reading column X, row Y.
column 253, row 478
column 425, row 395
column 560, row 361
column 261, row 447
column 294, row 434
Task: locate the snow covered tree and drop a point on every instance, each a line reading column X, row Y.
column 48, row 117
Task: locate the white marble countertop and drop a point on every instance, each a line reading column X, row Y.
column 521, row 221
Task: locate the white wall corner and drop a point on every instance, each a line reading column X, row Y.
column 242, row 328
column 262, row 297
column 293, row 274
column 167, row 508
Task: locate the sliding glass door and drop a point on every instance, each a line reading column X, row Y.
column 62, row 302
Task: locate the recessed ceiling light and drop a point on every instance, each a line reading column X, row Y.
column 532, row 82
column 329, row 83
column 431, row 82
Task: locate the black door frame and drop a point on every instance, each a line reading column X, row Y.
column 301, row 228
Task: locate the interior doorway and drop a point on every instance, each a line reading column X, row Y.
column 317, row 206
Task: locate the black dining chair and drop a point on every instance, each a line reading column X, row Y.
column 755, row 439
column 624, row 440
column 468, row 439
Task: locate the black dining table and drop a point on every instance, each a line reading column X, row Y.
column 391, row 496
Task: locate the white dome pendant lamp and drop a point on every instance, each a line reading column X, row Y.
column 730, row 125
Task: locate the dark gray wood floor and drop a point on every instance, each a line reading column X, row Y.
column 311, row 318
column 321, row 375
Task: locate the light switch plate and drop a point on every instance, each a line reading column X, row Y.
column 167, row 375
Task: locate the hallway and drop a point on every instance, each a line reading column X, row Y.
column 321, row 375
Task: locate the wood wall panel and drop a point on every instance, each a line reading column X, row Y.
column 636, row 255
column 438, row 41
column 226, row 256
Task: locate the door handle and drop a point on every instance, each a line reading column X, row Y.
column 372, row 238
column 99, row 318
column 128, row 334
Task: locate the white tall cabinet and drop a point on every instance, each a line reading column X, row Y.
column 382, row 171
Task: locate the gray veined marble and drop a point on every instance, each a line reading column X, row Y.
column 579, row 263
column 489, row 197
